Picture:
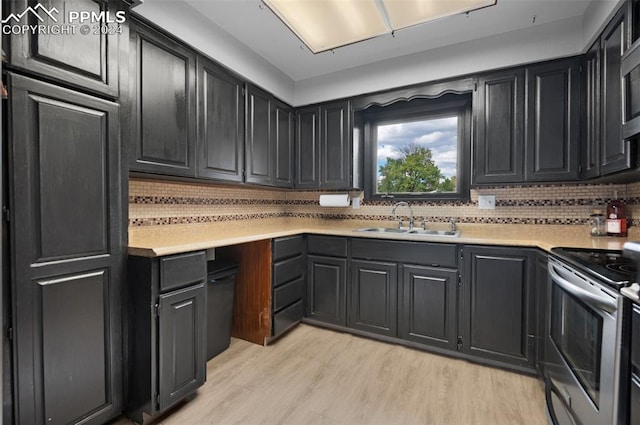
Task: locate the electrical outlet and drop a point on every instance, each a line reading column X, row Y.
column 487, row 202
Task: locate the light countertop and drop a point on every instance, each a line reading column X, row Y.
column 153, row 241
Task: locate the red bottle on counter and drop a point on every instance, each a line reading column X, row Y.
column 616, row 217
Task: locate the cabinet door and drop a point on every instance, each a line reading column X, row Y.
column 591, row 113
column 327, row 285
column 258, row 136
column 307, row 148
column 498, row 302
column 553, row 121
column 335, row 142
column 374, row 293
column 428, row 306
column 67, row 254
column 163, row 104
column 541, row 308
column 89, row 61
column 220, row 123
column 283, row 134
column 181, row 330
column 499, row 151
column 615, row 152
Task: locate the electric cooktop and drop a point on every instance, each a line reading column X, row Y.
column 610, row 266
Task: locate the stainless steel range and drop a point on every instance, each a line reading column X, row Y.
column 584, row 335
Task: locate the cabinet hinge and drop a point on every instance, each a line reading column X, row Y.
column 6, row 213
column 579, row 169
column 459, row 343
column 156, row 310
column 475, row 86
column 461, row 253
column 157, row 400
column 10, row 334
column 244, row 91
column 459, row 280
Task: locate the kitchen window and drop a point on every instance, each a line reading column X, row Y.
column 418, row 149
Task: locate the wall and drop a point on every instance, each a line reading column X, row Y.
column 154, row 202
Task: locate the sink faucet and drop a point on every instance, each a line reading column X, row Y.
column 453, row 224
column 411, row 219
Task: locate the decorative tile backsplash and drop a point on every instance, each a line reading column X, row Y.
column 156, row 202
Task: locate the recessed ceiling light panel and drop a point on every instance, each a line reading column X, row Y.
column 327, row 24
column 406, row 13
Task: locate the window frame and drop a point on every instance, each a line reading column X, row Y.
column 413, row 110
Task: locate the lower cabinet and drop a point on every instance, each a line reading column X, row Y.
column 327, row 289
column 165, row 333
column 287, row 281
column 477, row 302
column 429, row 306
column 498, row 305
column 327, row 279
column 374, row 289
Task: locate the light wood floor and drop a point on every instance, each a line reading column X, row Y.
column 315, row 376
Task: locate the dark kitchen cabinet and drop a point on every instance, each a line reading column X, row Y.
column 287, row 283
column 283, row 133
column 615, row 152
column 258, row 136
column 269, row 140
column 499, row 145
column 324, row 146
column 335, row 146
column 542, row 262
column 307, row 169
column 552, row 133
column 165, row 340
column 220, row 123
column 633, row 397
column 327, row 279
column 67, row 248
column 374, row 293
column 86, row 61
column 498, row 302
column 162, row 105
column 429, row 306
column 591, row 113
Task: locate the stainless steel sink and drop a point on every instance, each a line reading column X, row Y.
column 413, row 232
column 452, row 234
column 382, row 230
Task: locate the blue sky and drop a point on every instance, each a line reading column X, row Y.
column 440, row 135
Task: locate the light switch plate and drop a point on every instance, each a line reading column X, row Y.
column 487, row 202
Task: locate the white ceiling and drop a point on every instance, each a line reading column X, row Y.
column 255, row 26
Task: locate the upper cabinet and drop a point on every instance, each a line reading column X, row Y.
column 606, row 149
column 258, row 136
column 89, row 61
column 499, row 142
column 553, row 121
column 162, row 104
column 220, row 123
column 614, row 151
column 268, row 140
column 324, row 153
column 528, row 124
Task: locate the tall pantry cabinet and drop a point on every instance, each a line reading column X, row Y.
column 65, row 221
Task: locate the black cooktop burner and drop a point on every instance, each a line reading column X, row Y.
column 607, row 265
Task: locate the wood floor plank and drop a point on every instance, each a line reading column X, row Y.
column 314, row 376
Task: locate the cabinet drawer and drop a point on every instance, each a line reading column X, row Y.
column 287, row 318
column 288, row 293
column 287, row 270
column 287, row 247
column 181, row 270
column 331, row 246
column 429, row 254
column 635, row 338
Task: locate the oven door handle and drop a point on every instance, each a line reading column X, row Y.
column 606, row 304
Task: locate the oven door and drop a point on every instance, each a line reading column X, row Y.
column 583, row 351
